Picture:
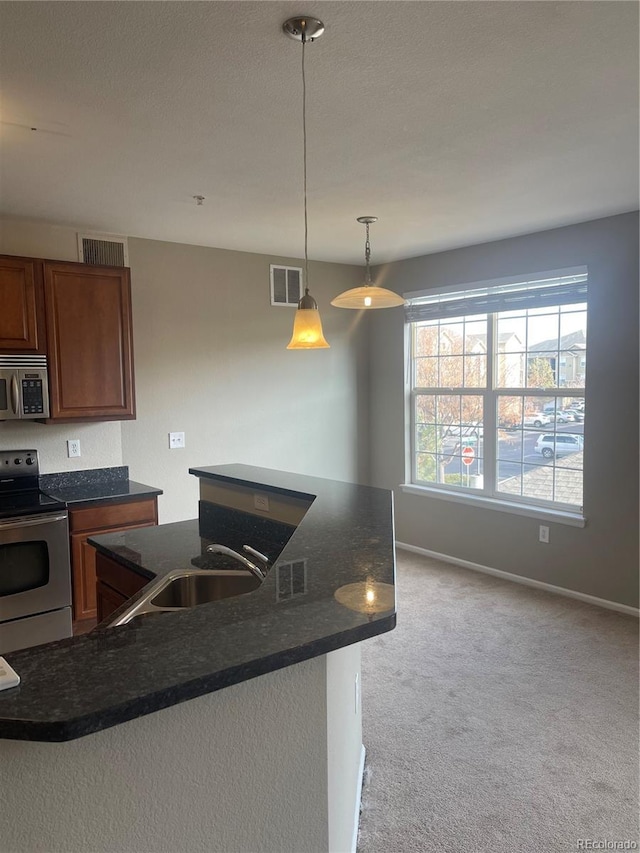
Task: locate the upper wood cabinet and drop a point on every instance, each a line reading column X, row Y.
column 21, row 314
column 90, row 341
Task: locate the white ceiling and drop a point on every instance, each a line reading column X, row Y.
column 453, row 122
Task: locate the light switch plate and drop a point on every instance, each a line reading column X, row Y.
column 176, row 440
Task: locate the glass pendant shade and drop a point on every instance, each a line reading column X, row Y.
column 368, row 296
column 307, row 326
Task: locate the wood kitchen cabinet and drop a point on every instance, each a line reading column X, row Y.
column 92, row 520
column 79, row 315
column 116, row 584
column 21, row 297
column 90, row 342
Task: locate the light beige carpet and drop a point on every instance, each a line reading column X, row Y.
column 497, row 719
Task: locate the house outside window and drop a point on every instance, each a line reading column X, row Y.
column 496, row 390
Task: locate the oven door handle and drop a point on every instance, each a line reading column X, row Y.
column 15, row 401
column 30, row 521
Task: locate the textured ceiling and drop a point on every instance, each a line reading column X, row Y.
column 453, row 122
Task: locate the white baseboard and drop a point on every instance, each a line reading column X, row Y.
column 356, row 817
column 508, row 576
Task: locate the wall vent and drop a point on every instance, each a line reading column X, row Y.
column 107, row 249
column 286, row 285
column 291, row 580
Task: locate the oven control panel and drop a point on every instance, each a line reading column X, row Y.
column 17, row 464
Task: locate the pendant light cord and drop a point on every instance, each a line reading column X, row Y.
column 304, row 167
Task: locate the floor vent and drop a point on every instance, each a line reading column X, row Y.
column 286, row 285
column 107, row 249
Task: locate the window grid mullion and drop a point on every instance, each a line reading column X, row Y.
column 489, row 416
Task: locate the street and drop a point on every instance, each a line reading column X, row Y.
column 511, row 452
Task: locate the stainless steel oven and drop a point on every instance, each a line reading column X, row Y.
column 35, row 573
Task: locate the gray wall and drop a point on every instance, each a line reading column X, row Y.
column 211, row 361
column 602, row 558
column 247, row 768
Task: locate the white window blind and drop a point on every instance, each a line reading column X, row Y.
column 506, row 296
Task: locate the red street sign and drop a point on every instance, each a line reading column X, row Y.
column 468, row 455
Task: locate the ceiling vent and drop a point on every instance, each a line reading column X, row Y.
column 106, row 249
column 286, row 285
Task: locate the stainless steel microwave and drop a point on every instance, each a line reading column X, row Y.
column 24, row 387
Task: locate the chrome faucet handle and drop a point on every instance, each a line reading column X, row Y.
column 229, row 552
column 255, row 553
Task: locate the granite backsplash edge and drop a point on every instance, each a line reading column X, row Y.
column 90, row 476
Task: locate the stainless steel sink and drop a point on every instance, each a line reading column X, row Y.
column 181, row 589
column 189, row 590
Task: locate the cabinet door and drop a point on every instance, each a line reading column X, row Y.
column 108, row 600
column 88, row 318
column 83, row 571
column 21, row 301
column 83, row 557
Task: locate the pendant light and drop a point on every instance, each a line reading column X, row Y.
column 368, row 296
column 307, row 325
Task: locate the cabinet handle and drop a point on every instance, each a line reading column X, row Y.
column 31, row 521
column 14, row 394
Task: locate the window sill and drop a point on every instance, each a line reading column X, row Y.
column 572, row 519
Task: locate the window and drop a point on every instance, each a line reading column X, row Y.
column 496, row 394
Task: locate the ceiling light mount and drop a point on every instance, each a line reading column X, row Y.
column 304, row 28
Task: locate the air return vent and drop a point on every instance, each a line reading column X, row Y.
column 286, row 285
column 291, row 580
column 107, row 249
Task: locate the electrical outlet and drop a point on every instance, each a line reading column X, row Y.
column 261, row 502
column 544, row 534
column 73, row 447
column 176, row 440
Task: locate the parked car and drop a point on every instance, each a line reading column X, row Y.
column 577, row 414
column 537, row 419
column 558, row 445
column 560, row 417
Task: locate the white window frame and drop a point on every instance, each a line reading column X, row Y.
column 489, row 496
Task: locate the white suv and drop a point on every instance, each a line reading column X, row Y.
column 537, row 419
column 558, row 445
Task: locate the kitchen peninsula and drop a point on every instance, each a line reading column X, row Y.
column 279, row 756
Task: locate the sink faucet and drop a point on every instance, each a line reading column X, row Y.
column 222, row 549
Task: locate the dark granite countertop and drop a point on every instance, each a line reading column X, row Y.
column 95, row 485
column 73, row 687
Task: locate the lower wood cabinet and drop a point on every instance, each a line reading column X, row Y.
column 91, row 520
column 108, row 600
column 116, row 584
